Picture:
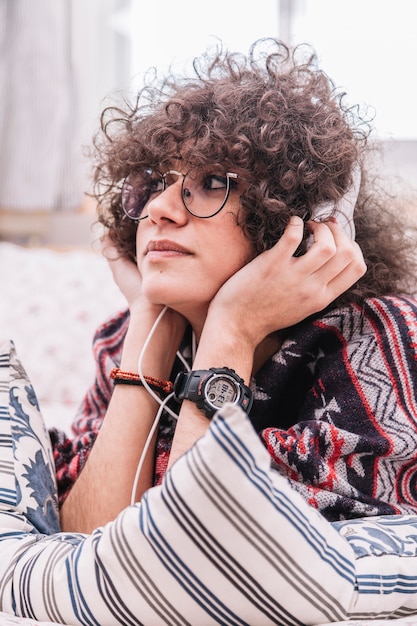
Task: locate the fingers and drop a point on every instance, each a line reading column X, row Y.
column 349, row 272
column 340, row 250
column 113, row 257
column 124, row 271
column 108, row 249
column 331, row 265
column 325, row 243
column 292, row 237
column 335, row 260
column 329, row 245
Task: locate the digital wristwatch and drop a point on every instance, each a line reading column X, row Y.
column 211, row 389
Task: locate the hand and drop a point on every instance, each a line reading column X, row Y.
column 143, row 314
column 276, row 290
column 125, row 273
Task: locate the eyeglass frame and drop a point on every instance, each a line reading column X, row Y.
column 228, row 176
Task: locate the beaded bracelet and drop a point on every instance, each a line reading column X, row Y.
column 130, row 378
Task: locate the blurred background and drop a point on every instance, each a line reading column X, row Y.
column 62, row 61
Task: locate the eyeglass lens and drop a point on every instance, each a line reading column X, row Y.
column 204, row 190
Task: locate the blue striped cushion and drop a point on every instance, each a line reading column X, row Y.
column 224, row 540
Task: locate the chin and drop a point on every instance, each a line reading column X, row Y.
column 160, row 294
column 181, row 296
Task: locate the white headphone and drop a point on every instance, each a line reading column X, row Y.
column 344, row 208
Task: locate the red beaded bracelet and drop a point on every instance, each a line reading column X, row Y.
column 130, row 378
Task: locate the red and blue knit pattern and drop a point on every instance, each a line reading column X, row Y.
column 336, row 407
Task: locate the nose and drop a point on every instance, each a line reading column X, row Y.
column 168, row 205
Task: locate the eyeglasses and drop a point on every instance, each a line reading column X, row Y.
column 204, row 190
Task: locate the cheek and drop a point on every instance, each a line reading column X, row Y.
column 231, row 249
column 139, row 236
column 141, row 242
column 227, row 263
column 237, row 251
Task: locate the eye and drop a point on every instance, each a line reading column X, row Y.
column 214, row 181
column 156, row 184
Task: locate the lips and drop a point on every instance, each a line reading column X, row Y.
column 165, row 246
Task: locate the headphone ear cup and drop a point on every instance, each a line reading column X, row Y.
column 309, row 242
column 342, row 210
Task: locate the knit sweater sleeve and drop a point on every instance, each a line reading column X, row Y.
column 71, row 453
column 350, row 444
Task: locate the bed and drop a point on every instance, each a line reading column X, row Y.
column 52, row 302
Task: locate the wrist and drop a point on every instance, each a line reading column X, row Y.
column 223, row 345
column 211, row 389
column 157, row 352
column 159, row 385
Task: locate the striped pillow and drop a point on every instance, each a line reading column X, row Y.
column 224, row 540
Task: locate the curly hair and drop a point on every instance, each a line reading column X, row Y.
column 277, row 120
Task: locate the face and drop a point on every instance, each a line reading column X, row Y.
column 184, row 259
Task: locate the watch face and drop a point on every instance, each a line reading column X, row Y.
column 221, row 389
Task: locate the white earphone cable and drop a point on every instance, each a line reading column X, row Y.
column 162, row 403
column 146, row 446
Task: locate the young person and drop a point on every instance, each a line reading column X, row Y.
column 256, row 350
